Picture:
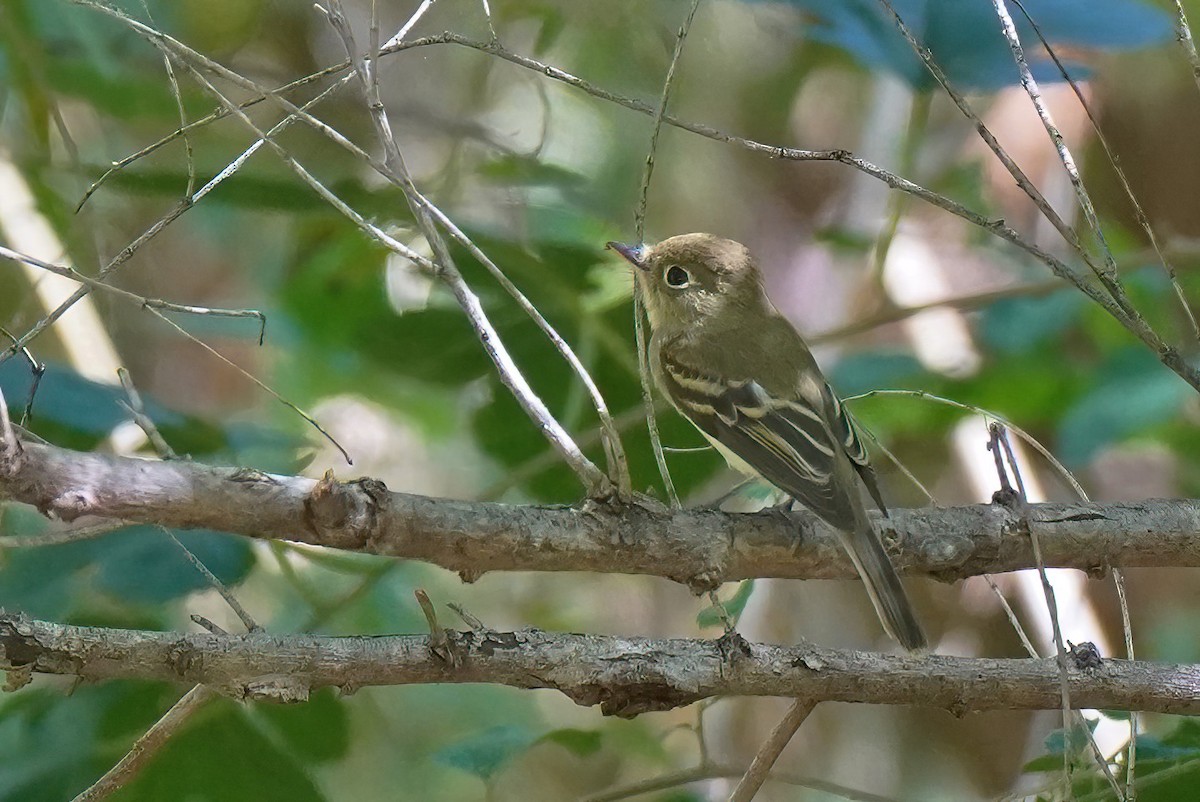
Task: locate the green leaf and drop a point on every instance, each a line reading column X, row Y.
column 220, row 755
column 484, row 753
column 517, row 170
column 965, row 40
column 1018, row 324
column 138, row 564
column 317, row 730
column 1133, row 391
column 55, row 745
column 579, row 742
column 734, row 606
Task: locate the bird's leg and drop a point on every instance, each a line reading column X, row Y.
column 785, row 506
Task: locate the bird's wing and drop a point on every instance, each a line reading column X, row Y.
column 788, row 441
column 852, row 444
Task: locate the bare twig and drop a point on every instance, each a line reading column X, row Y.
column 1026, row 643
column 1127, row 631
column 56, row 538
column 639, row 224
column 147, row 746
column 1108, row 275
column 243, row 615
column 9, row 445
column 771, row 749
column 394, row 163
column 999, row 441
column 712, row 771
column 1061, row 469
column 639, row 216
column 439, row 641
column 1142, row 218
column 1113, row 299
column 143, row 421
column 257, row 381
column 141, row 300
column 36, row 369
column 1183, row 32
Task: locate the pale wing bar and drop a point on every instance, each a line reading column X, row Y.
column 789, row 444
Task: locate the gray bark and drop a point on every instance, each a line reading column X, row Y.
column 625, row 676
column 699, row 547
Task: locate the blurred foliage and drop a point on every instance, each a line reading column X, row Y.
column 540, row 177
column 966, row 41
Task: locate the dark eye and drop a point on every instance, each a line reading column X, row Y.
column 677, row 277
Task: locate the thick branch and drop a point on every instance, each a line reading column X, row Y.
column 478, row 537
column 699, row 547
column 625, row 676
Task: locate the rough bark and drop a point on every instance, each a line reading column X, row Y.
column 625, row 676
column 698, row 547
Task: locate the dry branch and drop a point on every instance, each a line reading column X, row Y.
column 625, row 676
column 700, row 547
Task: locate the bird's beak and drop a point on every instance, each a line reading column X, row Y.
column 634, row 254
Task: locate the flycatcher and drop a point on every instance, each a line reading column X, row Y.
column 737, row 369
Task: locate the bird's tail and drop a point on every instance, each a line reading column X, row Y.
column 883, row 585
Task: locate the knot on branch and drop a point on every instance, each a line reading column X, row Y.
column 69, row 505
column 21, row 650
column 10, row 454
column 631, row 699
column 345, row 514
column 279, row 688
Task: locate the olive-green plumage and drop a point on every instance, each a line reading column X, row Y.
column 737, row 369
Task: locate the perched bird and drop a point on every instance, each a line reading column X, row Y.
column 736, row 368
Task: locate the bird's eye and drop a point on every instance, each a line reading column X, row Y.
column 677, row 277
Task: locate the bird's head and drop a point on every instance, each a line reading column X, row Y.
column 692, row 279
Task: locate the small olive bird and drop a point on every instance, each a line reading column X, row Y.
column 738, row 370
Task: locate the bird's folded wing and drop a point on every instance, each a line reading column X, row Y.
column 788, row 441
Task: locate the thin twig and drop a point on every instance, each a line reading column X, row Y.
column 133, row 297
column 71, row 535
column 1127, row 630
column 594, row 480
column 1108, row 275
column 713, row 771
column 257, row 381
column 247, row 620
column 610, row 433
column 147, row 746
column 9, row 445
column 137, row 409
column 1168, row 355
column 183, row 121
column 1183, row 32
column 1114, row 300
column 639, row 216
column 1061, row 469
column 771, row 749
column 1030, row 649
column 639, row 224
column 1139, row 212
column 36, row 368
column 1000, row 440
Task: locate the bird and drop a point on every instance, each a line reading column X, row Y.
column 729, row 362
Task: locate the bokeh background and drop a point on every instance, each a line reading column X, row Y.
column 541, row 175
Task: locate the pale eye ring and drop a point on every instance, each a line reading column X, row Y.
column 677, row 277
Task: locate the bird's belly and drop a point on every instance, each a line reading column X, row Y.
column 737, row 463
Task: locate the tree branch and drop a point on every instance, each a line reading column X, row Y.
column 699, row 547
column 625, row 676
